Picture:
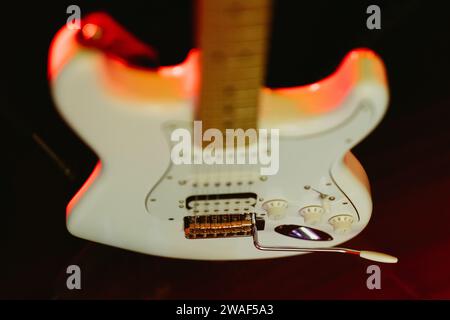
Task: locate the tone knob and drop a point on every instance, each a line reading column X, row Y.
column 341, row 223
column 312, row 214
column 276, row 209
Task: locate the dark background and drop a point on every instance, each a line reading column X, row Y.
column 407, row 158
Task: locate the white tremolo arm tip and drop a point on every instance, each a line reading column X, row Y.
column 377, row 256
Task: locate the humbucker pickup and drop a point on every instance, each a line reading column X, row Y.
column 225, row 199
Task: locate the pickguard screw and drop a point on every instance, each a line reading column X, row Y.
column 152, row 199
column 263, row 178
column 307, row 187
column 182, row 182
column 332, row 198
column 261, row 199
column 181, row 206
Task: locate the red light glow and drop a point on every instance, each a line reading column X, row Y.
column 87, row 184
column 327, row 94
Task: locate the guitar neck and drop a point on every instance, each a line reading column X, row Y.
column 232, row 36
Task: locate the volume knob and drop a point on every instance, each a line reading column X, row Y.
column 341, row 223
column 312, row 214
column 276, row 209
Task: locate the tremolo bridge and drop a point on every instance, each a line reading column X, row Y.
column 220, row 215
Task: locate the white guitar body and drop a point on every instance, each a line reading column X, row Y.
column 136, row 198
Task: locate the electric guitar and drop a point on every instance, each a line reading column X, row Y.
column 108, row 87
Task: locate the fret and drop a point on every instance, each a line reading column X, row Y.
column 231, row 89
column 237, row 34
column 249, row 49
column 226, row 108
column 223, row 63
column 228, row 86
column 222, row 110
column 237, row 22
column 234, row 125
column 232, row 75
column 245, row 116
column 218, row 119
column 236, row 115
column 240, row 117
column 228, row 94
column 239, row 5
